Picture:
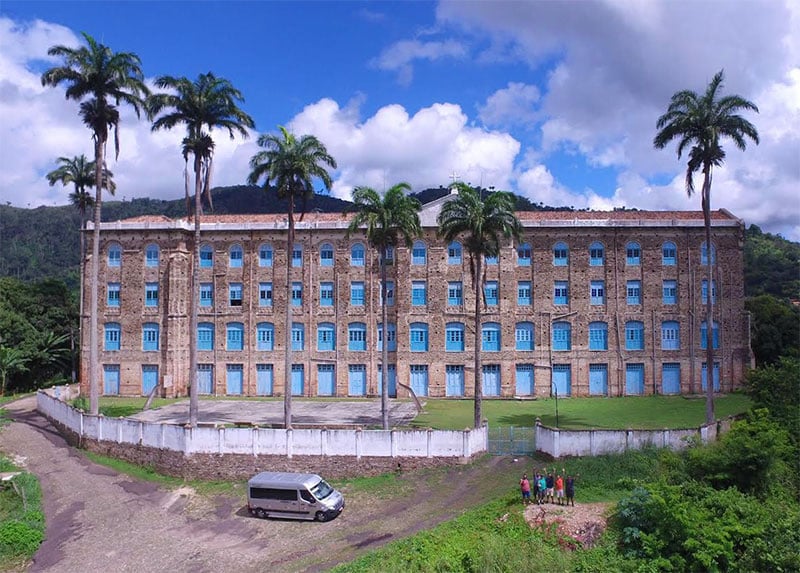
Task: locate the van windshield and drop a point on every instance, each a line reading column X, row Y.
column 321, row 490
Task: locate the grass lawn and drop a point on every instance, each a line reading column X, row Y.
column 646, row 412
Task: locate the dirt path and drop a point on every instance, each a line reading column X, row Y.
column 99, row 519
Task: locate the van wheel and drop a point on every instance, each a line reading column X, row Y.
column 260, row 513
column 321, row 516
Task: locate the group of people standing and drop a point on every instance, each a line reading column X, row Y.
column 548, row 488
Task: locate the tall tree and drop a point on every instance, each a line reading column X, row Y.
column 291, row 164
column 387, row 222
column 481, row 225
column 96, row 76
column 699, row 122
column 208, row 103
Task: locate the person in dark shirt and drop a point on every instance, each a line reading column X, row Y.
column 550, row 481
column 569, row 489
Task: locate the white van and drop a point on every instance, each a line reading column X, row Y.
column 298, row 496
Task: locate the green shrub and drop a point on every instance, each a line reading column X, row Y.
column 19, row 538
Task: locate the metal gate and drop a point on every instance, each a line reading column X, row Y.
column 512, row 440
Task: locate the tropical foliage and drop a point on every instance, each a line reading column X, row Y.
column 208, row 103
column 95, row 76
column 388, row 222
column 292, row 165
column 699, row 122
column 481, row 225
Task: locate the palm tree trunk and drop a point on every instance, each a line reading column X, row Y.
column 194, row 397
column 710, row 300
column 94, row 395
column 478, row 339
column 287, row 393
column 82, row 289
column 385, row 347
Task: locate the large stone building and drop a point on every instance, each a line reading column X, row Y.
column 591, row 303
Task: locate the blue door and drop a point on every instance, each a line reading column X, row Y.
column 598, row 379
column 149, row 378
column 264, row 379
column 357, row 380
column 392, row 380
column 298, row 379
column 716, row 377
column 454, row 381
column 205, row 378
column 325, row 380
column 491, row 380
column 234, row 380
column 634, row 379
column 524, row 380
column 562, row 380
column 111, row 379
column 671, row 378
column 419, row 379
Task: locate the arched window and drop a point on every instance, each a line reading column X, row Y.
column 560, row 254
column 265, row 336
column 151, row 255
column 357, row 336
column 357, row 255
column 454, row 337
column 419, row 337
column 113, row 333
column 562, row 336
column 391, row 336
column 326, row 336
column 670, row 335
column 704, row 254
column 491, row 261
column 234, row 336
column 524, row 336
column 704, row 334
column 669, row 254
column 235, row 256
column 150, row 336
column 454, row 253
column 297, row 255
column 206, row 256
column 298, row 336
column 597, row 254
column 633, row 254
column 265, row 255
column 114, row 255
column 634, row 335
column 524, row 254
column 419, row 253
column 598, row 335
column 490, row 337
column 205, row 336
column 326, row 255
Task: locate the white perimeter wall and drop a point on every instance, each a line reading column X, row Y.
column 266, row 441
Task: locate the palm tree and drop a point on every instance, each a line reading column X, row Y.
column 11, row 360
column 80, row 172
column 208, row 102
column 386, row 221
column 700, row 121
column 291, row 164
column 481, row 225
column 96, row 76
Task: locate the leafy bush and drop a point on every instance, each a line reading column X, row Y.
column 18, row 537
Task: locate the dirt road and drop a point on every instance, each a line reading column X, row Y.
column 98, row 519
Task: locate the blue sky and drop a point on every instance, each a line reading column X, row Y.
column 556, row 101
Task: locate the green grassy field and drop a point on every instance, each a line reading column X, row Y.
column 646, row 412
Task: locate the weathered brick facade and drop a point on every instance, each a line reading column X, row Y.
column 601, row 287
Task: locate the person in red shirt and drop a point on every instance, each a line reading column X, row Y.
column 525, row 486
column 560, row 489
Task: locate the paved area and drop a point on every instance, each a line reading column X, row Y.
column 266, row 412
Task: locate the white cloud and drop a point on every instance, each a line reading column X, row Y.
column 513, row 104
column 423, row 149
column 400, row 56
